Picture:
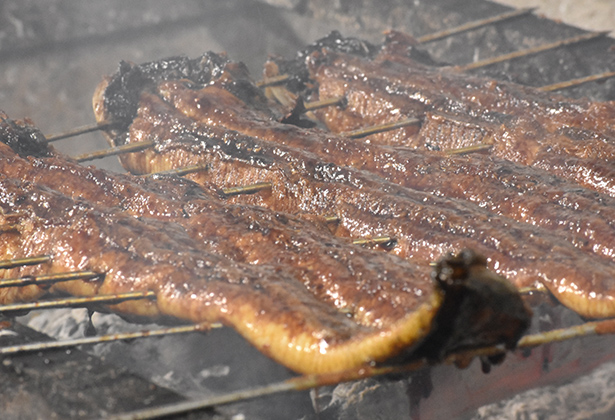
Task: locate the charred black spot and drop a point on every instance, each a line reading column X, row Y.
column 479, row 309
column 297, row 69
column 125, row 87
column 23, row 138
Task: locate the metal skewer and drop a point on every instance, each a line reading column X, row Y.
column 377, row 240
column 429, row 38
column 49, row 278
column 305, row 382
column 364, row 132
column 247, row 189
column 332, row 219
column 468, row 149
column 78, row 131
column 52, row 345
column 335, row 101
column 112, row 151
column 530, row 51
column 473, row 25
column 182, row 171
column 77, row 301
column 275, row 80
column 17, row 262
column 576, row 82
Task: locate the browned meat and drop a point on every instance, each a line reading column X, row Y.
column 571, row 139
column 335, row 306
column 245, row 233
column 425, row 226
column 584, row 217
column 270, row 308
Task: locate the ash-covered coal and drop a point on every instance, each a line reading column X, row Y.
column 196, row 365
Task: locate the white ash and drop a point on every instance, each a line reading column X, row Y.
column 589, row 397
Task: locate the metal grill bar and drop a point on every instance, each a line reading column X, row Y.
column 182, row 171
column 469, row 149
column 530, row 51
column 52, row 345
column 79, row 131
column 18, row 262
column 77, row 301
column 112, row 151
column 378, row 240
column 576, row 82
column 474, row 25
column 335, row 101
column 364, row 132
column 247, row 189
column 49, row 278
column 314, row 381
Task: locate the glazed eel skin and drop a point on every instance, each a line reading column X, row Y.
column 313, row 302
column 573, row 139
column 584, row 217
column 425, row 226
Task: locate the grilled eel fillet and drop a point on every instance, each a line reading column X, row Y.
column 425, row 226
column 584, row 217
column 573, row 139
column 310, row 301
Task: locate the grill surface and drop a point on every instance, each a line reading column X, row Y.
column 55, row 52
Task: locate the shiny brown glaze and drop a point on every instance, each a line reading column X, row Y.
column 331, row 268
column 426, row 227
column 573, row 139
column 268, row 306
column 171, row 237
column 582, row 216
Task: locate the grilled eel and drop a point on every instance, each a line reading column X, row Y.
column 425, row 227
column 523, row 193
column 573, row 139
column 584, row 217
column 207, row 261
